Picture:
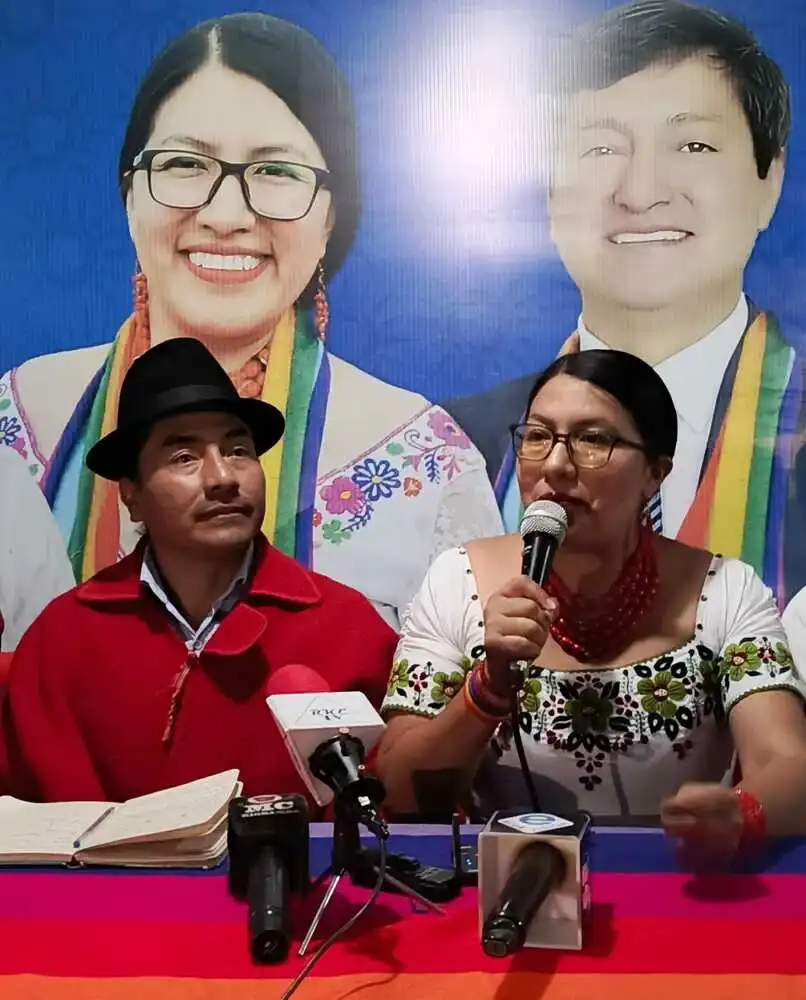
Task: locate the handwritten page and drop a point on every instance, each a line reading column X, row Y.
column 46, row 830
column 169, row 814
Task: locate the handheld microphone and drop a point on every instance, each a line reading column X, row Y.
column 543, row 527
column 533, row 882
column 268, row 840
column 328, row 735
column 537, row 870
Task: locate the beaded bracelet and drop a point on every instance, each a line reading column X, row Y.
column 754, row 821
column 481, row 702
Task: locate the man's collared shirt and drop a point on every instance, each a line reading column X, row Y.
column 197, row 638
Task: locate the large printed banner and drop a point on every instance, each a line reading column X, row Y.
column 386, row 218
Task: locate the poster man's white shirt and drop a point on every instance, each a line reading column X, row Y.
column 693, row 377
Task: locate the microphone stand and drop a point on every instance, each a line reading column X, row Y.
column 516, row 679
column 350, row 858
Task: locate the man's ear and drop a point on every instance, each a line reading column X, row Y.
column 773, row 183
column 130, row 495
column 659, row 469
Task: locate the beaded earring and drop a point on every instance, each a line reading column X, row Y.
column 653, row 513
column 320, row 307
column 141, row 329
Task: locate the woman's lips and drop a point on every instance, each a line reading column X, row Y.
column 564, row 500
column 572, row 506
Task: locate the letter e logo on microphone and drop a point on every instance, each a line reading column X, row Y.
column 535, row 823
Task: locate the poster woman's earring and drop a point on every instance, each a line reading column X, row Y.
column 141, row 330
column 320, row 309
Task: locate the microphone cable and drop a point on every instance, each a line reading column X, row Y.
column 514, row 721
column 346, row 926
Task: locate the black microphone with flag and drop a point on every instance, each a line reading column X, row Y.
column 329, row 735
column 533, row 882
column 268, row 841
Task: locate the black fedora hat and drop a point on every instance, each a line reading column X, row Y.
column 176, row 376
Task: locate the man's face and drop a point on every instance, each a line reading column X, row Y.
column 200, row 485
column 655, row 195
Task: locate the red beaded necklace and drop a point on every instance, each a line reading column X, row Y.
column 250, row 377
column 596, row 629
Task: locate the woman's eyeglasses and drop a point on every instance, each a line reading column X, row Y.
column 587, row 449
column 272, row 189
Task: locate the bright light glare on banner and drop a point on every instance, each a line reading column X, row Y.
column 477, row 131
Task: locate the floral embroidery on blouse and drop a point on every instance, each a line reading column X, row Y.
column 426, row 453
column 751, row 659
column 594, row 714
column 13, row 432
column 425, row 690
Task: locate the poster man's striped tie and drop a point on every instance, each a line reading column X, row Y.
column 654, row 513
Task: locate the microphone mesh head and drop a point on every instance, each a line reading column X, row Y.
column 545, row 517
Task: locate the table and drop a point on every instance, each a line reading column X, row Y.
column 655, row 934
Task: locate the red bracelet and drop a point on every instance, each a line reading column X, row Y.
column 754, row 822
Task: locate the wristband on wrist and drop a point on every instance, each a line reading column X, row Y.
column 492, row 692
column 483, row 687
column 480, row 701
column 754, row 821
column 474, row 709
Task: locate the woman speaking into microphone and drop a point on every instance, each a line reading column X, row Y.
column 648, row 662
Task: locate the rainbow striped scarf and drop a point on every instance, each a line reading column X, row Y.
column 739, row 505
column 297, row 382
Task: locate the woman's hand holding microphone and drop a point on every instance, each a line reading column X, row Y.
column 517, row 619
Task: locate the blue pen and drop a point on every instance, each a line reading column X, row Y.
column 91, row 827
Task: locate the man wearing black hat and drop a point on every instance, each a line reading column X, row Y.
column 153, row 672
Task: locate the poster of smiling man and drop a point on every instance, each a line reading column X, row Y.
column 670, row 125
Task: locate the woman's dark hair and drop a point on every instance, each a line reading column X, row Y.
column 293, row 65
column 632, row 383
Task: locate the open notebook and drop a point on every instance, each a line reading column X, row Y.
column 182, row 827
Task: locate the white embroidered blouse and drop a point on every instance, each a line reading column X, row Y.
column 613, row 742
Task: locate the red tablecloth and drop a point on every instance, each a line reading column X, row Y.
column 654, row 935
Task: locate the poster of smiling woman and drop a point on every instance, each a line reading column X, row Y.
column 386, row 218
column 239, row 178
